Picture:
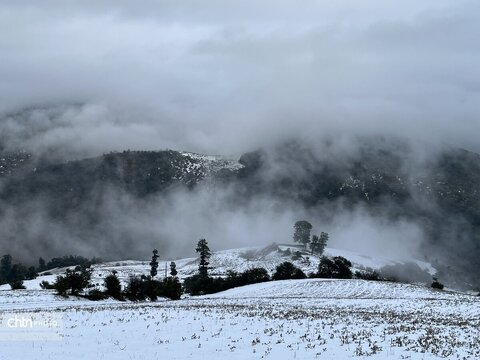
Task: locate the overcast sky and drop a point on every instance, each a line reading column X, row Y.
column 226, row 76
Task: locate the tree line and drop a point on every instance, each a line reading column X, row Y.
column 14, row 273
column 147, row 286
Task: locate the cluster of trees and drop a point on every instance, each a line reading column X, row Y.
column 201, row 283
column 139, row 288
column 75, row 282
column 65, row 261
column 302, row 235
column 14, row 273
column 336, row 268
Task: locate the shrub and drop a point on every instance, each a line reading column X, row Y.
column 254, row 276
column 437, row 285
column 171, row 288
column 16, row 284
column 61, row 285
column 113, row 287
column 144, row 287
column 287, row 270
column 336, row 268
column 141, row 288
column 96, row 295
column 136, row 289
column 198, row 285
column 74, row 280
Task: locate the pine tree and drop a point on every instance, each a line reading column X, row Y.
column 173, row 269
column 323, row 242
column 315, row 244
column 302, row 232
column 154, row 263
column 204, row 251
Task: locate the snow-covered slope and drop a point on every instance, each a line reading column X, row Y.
column 247, row 258
column 212, row 164
column 237, row 260
column 290, row 319
column 334, row 289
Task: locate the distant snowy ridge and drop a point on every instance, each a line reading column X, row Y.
column 212, row 164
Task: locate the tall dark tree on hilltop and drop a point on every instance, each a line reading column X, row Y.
column 302, row 232
column 322, row 242
column 154, row 263
column 205, row 253
column 173, row 269
column 315, row 244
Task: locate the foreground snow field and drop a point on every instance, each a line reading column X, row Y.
column 298, row 319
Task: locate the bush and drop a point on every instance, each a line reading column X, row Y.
column 437, row 285
column 16, row 284
column 96, row 295
column 144, row 287
column 254, row 276
column 136, row 289
column 171, row 288
column 197, row 285
column 74, row 281
column 113, row 287
column 287, row 270
column 61, row 285
column 336, row 268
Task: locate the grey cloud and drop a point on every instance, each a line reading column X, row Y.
column 224, row 77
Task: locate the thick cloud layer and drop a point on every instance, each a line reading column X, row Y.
column 224, row 77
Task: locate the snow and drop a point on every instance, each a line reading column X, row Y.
column 212, row 163
column 221, row 262
column 290, row 319
column 335, row 289
column 295, row 319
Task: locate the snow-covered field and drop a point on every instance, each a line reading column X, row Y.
column 292, row 319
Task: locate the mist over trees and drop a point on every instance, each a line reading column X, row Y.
column 401, row 206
